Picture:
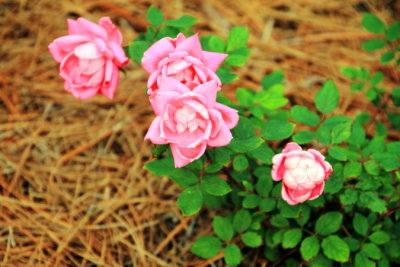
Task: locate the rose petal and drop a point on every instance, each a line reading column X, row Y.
column 213, row 60
column 154, row 133
column 229, row 115
column 209, row 91
column 155, row 53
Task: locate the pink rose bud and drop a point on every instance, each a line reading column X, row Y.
column 190, row 120
column 302, row 173
column 90, row 57
column 182, row 59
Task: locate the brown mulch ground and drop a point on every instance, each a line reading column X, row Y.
column 73, row 188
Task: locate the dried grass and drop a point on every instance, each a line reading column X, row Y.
column 73, row 188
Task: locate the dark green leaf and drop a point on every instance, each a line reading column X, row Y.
column 263, row 153
column 190, row 201
column 223, row 228
column 387, row 57
column 379, row 237
column 252, row 239
column 376, row 78
column 341, row 133
column 337, row 153
column 327, row 99
column 206, row 247
column 276, row 77
column 267, row 204
column 361, row 260
column 136, row 50
column 393, row 32
column 372, row 23
column 244, row 96
column 304, row 137
column 329, row 223
column 226, row 75
column 251, row 201
column 232, row 255
column 354, row 244
column 360, row 224
column 335, row 248
column 242, row 145
column 309, row 247
column 240, row 163
column 349, row 196
column 184, row 178
column 279, row 221
column 161, row 167
column 371, row 251
column 154, row 16
column 352, row 169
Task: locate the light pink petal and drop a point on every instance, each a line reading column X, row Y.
column 191, row 45
column 183, row 156
column 213, row 60
column 154, row 133
column 84, row 92
column 88, row 51
column 72, row 26
column 299, row 195
column 286, row 196
column 162, row 99
column 64, row 45
column 290, row 147
column 278, row 167
column 223, row 138
column 229, row 115
column 90, row 29
column 111, row 80
column 119, row 54
column 209, row 91
column 113, row 32
column 156, row 53
column 321, row 160
column 170, row 84
column 216, row 120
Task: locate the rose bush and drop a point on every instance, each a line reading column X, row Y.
column 302, row 173
column 90, row 57
column 182, row 59
column 190, row 120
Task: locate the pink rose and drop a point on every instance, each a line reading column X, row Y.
column 190, row 120
column 303, row 173
column 182, row 59
column 90, row 56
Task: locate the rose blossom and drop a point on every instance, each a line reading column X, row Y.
column 182, row 59
column 90, row 56
column 190, row 120
column 303, row 173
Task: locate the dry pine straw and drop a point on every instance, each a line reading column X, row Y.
column 73, row 188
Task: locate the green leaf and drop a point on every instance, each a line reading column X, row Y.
column 352, row 169
column 327, row 99
column 323, row 135
column 206, row 247
column 349, row 72
column 360, row 224
column 263, row 153
column 242, row 145
column 226, row 75
column 274, row 130
column 309, row 247
column 251, row 201
column 222, row 155
column 376, row 78
column 354, row 244
column 264, row 185
column 244, row 96
column 379, row 237
column 154, row 16
column 166, row 32
column 240, row 163
column 349, row 196
column 237, row 38
column 393, row 32
column 252, row 239
column 238, row 57
column 136, row 50
column 357, row 87
column 341, row 133
column 161, row 167
column 184, row 178
column 232, row 255
column 372, row 167
column 372, row 45
column 371, row 251
column 304, row 137
column 289, row 211
column 329, row 223
column 388, row 161
column 335, row 248
column 387, row 57
column 267, row 204
column 241, row 220
column 372, row 23
column 372, row 201
column 216, row 44
column 291, row 238
column 321, row 261
column 279, row 221
column 190, row 201
column 361, row 260
column 223, row 228
column 337, row 153
column 357, row 136
column 272, row 98
column 276, row 77
column 182, row 22
column 304, row 115
column 215, row 185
